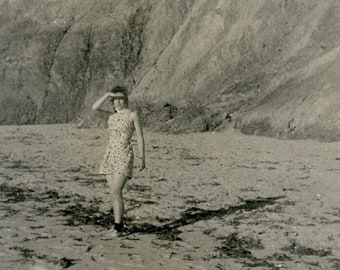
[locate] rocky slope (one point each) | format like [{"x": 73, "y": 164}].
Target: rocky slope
[{"x": 265, "y": 67}]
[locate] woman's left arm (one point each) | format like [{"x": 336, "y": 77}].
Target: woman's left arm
[{"x": 140, "y": 141}]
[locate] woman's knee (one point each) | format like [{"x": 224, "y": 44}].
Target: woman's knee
[{"x": 116, "y": 184}]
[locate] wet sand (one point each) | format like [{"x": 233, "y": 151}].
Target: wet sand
[{"x": 205, "y": 201}]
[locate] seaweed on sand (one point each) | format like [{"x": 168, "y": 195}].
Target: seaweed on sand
[
  {"x": 10, "y": 194},
  {"x": 234, "y": 246},
  {"x": 300, "y": 250},
  {"x": 79, "y": 214},
  {"x": 90, "y": 215}
]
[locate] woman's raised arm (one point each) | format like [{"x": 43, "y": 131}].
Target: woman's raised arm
[{"x": 100, "y": 101}]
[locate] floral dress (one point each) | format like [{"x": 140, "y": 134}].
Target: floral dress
[{"x": 118, "y": 156}]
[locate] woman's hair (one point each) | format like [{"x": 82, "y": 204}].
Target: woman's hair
[
  {"x": 123, "y": 90},
  {"x": 119, "y": 89}
]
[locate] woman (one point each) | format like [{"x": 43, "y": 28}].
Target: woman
[{"x": 118, "y": 160}]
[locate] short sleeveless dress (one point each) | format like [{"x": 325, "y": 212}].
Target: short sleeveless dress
[{"x": 118, "y": 156}]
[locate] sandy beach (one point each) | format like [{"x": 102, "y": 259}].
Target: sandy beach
[{"x": 206, "y": 201}]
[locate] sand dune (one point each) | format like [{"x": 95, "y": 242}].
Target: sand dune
[{"x": 205, "y": 201}]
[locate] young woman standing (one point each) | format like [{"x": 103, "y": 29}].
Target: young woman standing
[{"x": 118, "y": 160}]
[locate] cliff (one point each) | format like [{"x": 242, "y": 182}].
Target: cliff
[{"x": 264, "y": 67}]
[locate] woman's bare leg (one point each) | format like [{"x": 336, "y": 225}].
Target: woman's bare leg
[{"x": 116, "y": 183}]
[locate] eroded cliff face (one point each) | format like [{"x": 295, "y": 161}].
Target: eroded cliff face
[
  {"x": 265, "y": 67},
  {"x": 60, "y": 55}
]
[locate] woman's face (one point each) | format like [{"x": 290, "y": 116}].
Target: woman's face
[{"x": 119, "y": 103}]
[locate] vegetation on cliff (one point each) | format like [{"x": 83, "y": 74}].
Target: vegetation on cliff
[{"x": 264, "y": 67}]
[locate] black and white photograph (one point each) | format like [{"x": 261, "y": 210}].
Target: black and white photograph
[{"x": 170, "y": 134}]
